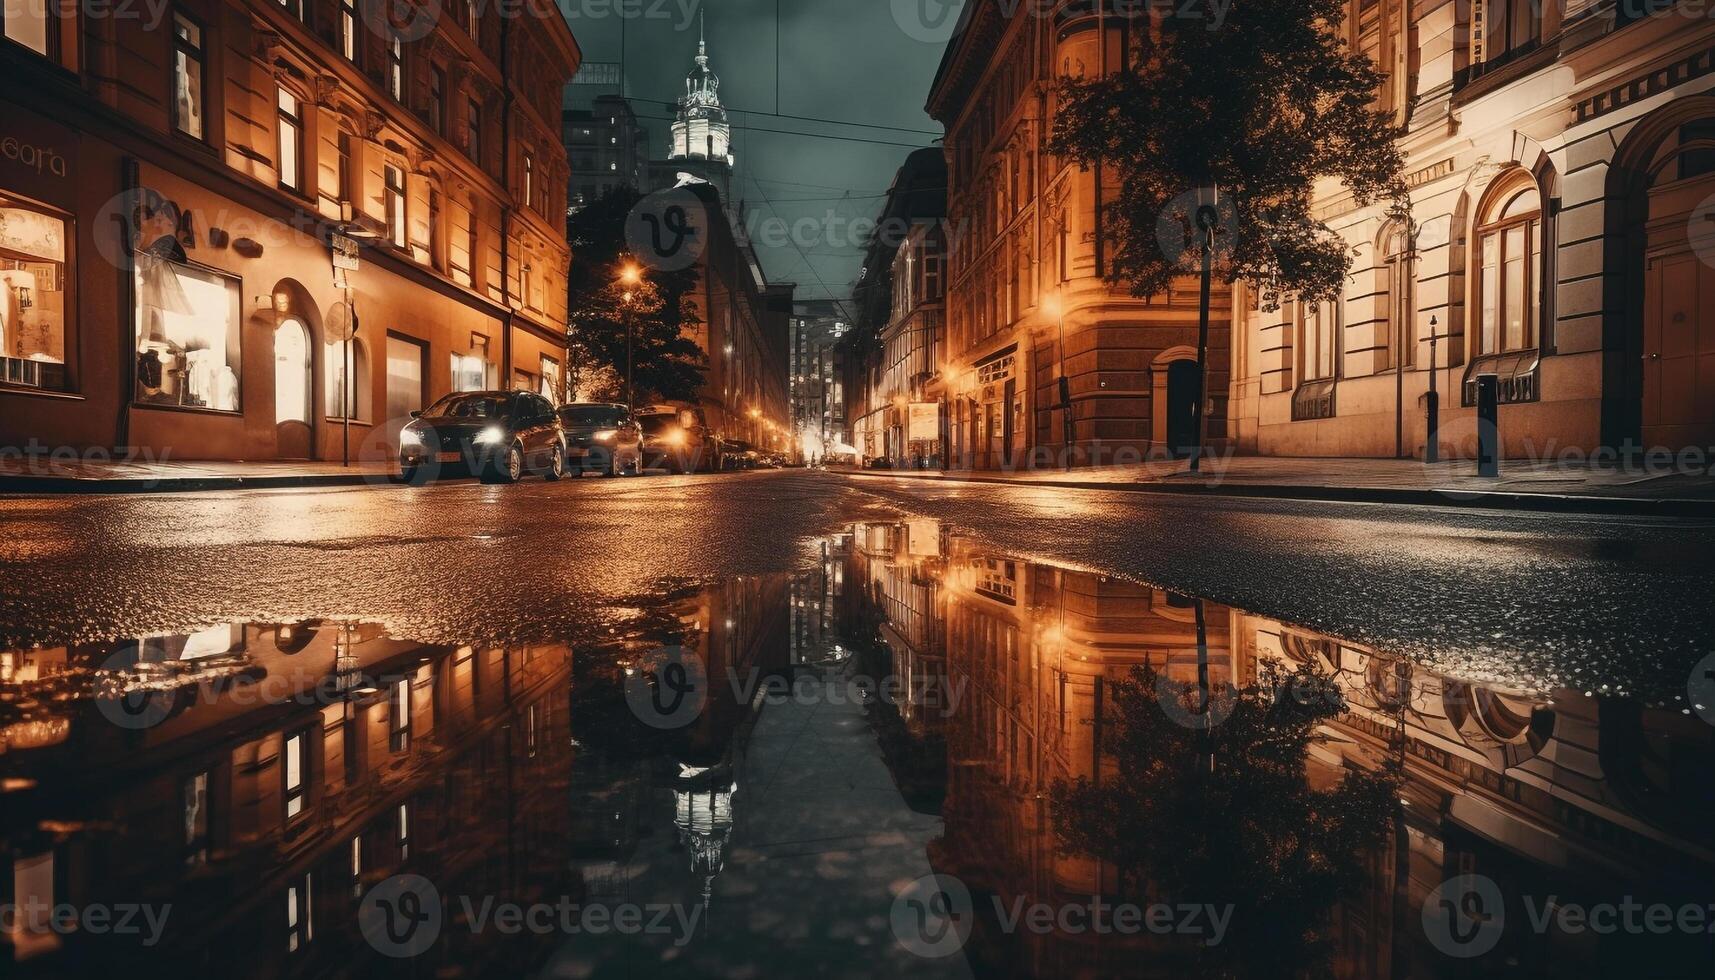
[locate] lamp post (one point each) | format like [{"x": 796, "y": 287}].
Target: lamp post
[
  {"x": 630, "y": 276},
  {"x": 1055, "y": 306},
  {"x": 1432, "y": 405},
  {"x": 1207, "y": 218}
]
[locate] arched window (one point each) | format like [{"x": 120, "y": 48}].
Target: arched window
[
  {"x": 1395, "y": 299},
  {"x": 1508, "y": 260}
]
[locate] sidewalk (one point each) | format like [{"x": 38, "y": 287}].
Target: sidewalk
[
  {"x": 85, "y": 476},
  {"x": 1523, "y": 485}
]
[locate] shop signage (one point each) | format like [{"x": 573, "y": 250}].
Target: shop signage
[
  {"x": 925, "y": 421},
  {"x": 41, "y": 159},
  {"x": 344, "y": 251}
]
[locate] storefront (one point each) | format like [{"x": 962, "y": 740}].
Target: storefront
[{"x": 167, "y": 316}]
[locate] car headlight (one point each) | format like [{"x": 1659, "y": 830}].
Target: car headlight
[
  {"x": 494, "y": 435},
  {"x": 676, "y": 437},
  {"x": 410, "y": 439},
  {"x": 605, "y": 435}
]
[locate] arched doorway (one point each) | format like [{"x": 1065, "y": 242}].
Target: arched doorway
[
  {"x": 1184, "y": 388},
  {"x": 1659, "y": 391},
  {"x": 293, "y": 388}
]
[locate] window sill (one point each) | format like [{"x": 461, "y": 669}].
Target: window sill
[
  {"x": 1516, "y": 67},
  {"x": 338, "y": 420},
  {"x": 190, "y": 409},
  {"x": 53, "y": 393}
]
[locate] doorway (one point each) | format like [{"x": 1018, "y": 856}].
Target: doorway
[
  {"x": 1184, "y": 388},
  {"x": 292, "y": 390}
]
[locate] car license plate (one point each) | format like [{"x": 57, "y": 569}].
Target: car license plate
[{"x": 447, "y": 458}]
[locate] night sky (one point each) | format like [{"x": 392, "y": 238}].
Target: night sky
[{"x": 846, "y": 60}]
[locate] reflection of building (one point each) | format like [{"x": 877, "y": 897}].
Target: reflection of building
[
  {"x": 1589, "y": 799},
  {"x": 896, "y": 350},
  {"x": 1026, "y": 260},
  {"x": 178, "y": 179},
  {"x": 606, "y": 148},
  {"x": 287, "y": 770}
]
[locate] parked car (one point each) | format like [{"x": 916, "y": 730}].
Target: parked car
[
  {"x": 678, "y": 439},
  {"x": 602, "y": 437},
  {"x": 496, "y": 435},
  {"x": 737, "y": 454}
]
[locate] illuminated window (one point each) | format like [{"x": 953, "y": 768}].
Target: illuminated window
[
  {"x": 402, "y": 830},
  {"x": 550, "y": 379},
  {"x": 394, "y": 179},
  {"x": 470, "y": 371},
  {"x": 189, "y": 61},
  {"x": 290, "y": 140},
  {"x": 196, "y": 819},
  {"x": 294, "y": 773},
  {"x": 1509, "y": 261},
  {"x": 529, "y": 180},
  {"x": 300, "y": 919},
  {"x": 31, "y": 23},
  {"x": 33, "y": 302},
  {"x": 395, "y": 67},
  {"x": 1395, "y": 287},
  {"x": 357, "y": 866},
  {"x": 188, "y": 335},
  {"x": 349, "y": 43},
  {"x": 399, "y": 702}
]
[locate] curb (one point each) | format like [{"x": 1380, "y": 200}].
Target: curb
[
  {"x": 1546, "y": 503},
  {"x": 187, "y": 484}
]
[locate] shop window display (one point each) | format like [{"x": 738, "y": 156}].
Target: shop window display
[
  {"x": 188, "y": 326},
  {"x": 33, "y": 280}
]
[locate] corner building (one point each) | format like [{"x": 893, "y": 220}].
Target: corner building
[
  {"x": 170, "y": 191},
  {"x": 1561, "y": 162},
  {"x": 1025, "y": 258}
]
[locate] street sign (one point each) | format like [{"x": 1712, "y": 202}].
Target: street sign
[{"x": 344, "y": 251}]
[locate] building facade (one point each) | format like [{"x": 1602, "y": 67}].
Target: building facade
[
  {"x": 746, "y": 322},
  {"x": 901, "y": 396},
  {"x": 817, "y": 394},
  {"x": 1028, "y": 301},
  {"x": 172, "y": 190},
  {"x": 606, "y": 147},
  {"x": 1559, "y": 163}
]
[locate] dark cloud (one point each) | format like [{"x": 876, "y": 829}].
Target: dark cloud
[{"x": 838, "y": 59}]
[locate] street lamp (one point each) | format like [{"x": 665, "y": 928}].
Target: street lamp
[{"x": 630, "y": 276}]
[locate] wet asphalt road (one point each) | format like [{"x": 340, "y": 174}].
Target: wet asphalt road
[{"x": 1532, "y": 600}]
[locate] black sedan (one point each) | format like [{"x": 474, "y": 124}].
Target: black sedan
[
  {"x": 496, "y": 435},
  {"x": 602, "y": 437}
]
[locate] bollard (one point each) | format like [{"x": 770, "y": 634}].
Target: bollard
[{"x": 1488, "y": 428}]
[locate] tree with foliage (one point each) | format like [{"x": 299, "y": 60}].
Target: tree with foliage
[
  {"x": 667, "y": 364},
  {"x": 1222, "y": 812},
  {"x": 1257, "y": 98}
]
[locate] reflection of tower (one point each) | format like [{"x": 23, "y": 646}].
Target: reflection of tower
[
  {"x": 702, "y": 810},
  {"x": 702, "y": 137}
]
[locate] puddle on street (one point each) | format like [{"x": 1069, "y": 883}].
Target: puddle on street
[{"x": 911, "y": 756}]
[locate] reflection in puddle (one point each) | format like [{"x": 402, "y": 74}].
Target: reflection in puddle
[{"x": 755, "y": 776}]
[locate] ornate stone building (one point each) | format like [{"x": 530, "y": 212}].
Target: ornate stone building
[
  {"x": 172, "y": 188},
  {"x": 1560, "y": 159}
]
